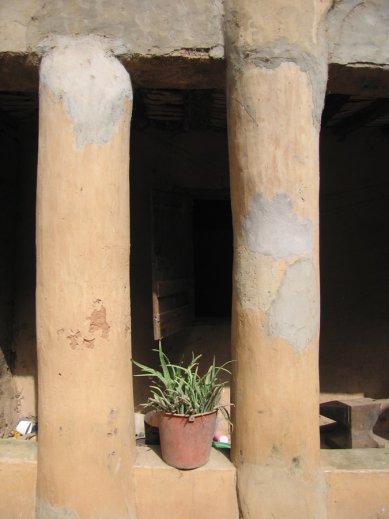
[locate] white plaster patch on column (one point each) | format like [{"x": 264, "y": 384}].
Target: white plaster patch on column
[
  {"x": 45, "y": 510},
  {"x": 92, "y": 84},
  {"x": 294, "y": 314},
  {"x": 272, "y": 228}
]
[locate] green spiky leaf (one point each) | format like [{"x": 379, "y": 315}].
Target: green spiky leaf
[{"x": 181, "y": 389}]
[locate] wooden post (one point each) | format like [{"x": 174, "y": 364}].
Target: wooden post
[
  {"x": 276, "y": 82},
  {"x": 86, "y": 431}
]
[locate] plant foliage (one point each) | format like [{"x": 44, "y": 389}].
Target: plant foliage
[{"x": 182, "y": 390}]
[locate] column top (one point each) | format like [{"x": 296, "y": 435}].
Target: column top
[{"x": 90, "y": 81}]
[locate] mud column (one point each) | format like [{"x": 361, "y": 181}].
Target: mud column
[
  {"x": 86, "y": 432},
  {"x": 276, "y": 82}
]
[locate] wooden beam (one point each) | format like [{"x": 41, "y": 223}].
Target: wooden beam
[
  {"x": 362, "y": 117},
  {"x": 358, "y": 80}
]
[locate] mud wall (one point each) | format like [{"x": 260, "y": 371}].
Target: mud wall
[
  {"x": 354, "y": 347},
  {"x": 136, "y": 26},
  {"x": 357, "y": 31}
]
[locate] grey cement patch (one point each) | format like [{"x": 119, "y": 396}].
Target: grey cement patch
[
  {"x": 273, "y": 54},
  {"x": 92, "y": 84},
  {"x": 358, "y": 31},
  {"x": 217, "y": 52},
  {"x": 145, "y": 28},
  {"x": 273, "y": 229},
  {"x": 314, "y": 65},
  {"x": 45, "y": 510},
  {"x": 294, "y": 314}
]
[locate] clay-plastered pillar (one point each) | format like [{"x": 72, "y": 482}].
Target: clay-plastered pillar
[
  {"x": 276, "y": 83},
  {"x": 86, "y": 433}
]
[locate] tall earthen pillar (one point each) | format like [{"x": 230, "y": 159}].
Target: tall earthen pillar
[
  {"x": 86, "y": 432},
  {"x": 276, "y": 84}
]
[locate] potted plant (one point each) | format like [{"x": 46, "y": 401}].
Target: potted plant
[{"x": 187, "y": 403}]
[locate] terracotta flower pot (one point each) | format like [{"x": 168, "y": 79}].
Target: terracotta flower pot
[{"x": 186, "y": 440}]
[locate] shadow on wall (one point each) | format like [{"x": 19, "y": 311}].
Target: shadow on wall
[
  {"x": 18, "y": 362},
  {"x": 8, "y": 195},
  {"x": 192, "y": 162},
  {"x": 354, "y": 257}
]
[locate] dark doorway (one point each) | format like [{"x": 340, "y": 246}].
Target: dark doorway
[
  {"x": 212, "y": 244},
  {"x": 354, "y": 247}
]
